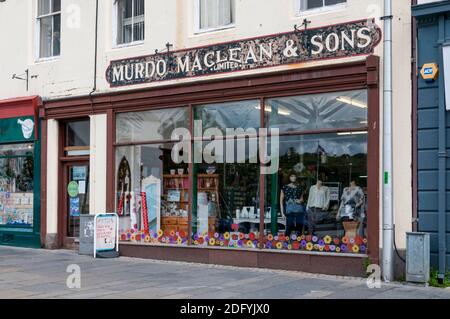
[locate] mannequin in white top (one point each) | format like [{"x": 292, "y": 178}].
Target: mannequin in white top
[{"x": 318, "y": 203}]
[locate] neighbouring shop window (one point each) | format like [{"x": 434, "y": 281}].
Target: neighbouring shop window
[
  {"x": 49, "y": 27},
  {"x": 16, "y": 184},
  {"x": 317, "y": 201},
  {"x": 317, "y": 4},
  {"x": 77, "y": 138},
  {"x": 130, "y": 21},
  {"x": 214, "y": 14},
  {"x": 152, "y": 191}
]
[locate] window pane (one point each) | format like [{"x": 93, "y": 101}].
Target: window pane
[
  {"x": 215, "y": 13},
  {"x": 239, "y": 114},
  {"x": 15, "y": 149},
  {"x": 128, "y": 8},
  {"x": 56, "y": 6},
  {"x": 318, "y": 111},
  {"x": 150, "y": 125},
  {"x": 56, "y": 34},
  {"x": 227, "y": 193},
  {"x": 43, "y": 7},
  {"x": 311, "y": 4},
  {"x": 318, "y": 199},
  {"x": 16, "y": 185},
  {"x": 139, "y": 8},
  {"x": 146, "y": 174},
  {"x": 45, "y": 41},
  {"x": 138, "y": 31},
  {"x": 332, "y": 2},
  {"x": 78, "y": 138}
]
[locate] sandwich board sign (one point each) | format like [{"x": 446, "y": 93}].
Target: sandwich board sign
[{"x": 106, "y": 235}]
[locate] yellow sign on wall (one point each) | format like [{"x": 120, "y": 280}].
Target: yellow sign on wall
[{"x": 430, "y": 71}]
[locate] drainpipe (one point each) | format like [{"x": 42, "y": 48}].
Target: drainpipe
[
  {"x": 95, "y": 57},
  {"x": 442, "y": 156},
  {"x": 388, "y": 216}
]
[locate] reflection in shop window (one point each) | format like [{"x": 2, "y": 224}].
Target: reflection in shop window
[
  {"x": 16, "y": 184},
  {"x": 318, "y": 197}
]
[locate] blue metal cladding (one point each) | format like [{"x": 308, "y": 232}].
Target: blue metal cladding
[{"x": 430, "y": 95}]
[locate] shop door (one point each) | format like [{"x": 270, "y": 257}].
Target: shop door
[{"x": 76, "y": 199}]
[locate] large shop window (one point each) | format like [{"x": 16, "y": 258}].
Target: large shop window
[
  {"x": 315, "y": 200},
  {"x": 130, "y": 21},
  {"x": 49, "y": 27},
  {"x": 16, "y": 184}
]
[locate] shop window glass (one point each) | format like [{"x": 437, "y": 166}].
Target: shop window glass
[
  {"x": 239, "y": 114},
  {"x": 227, "y": 196},
  {"x": 16, "y": 184},
  {"x": 318, "y": 199},
  {"x": 154, "y": 125},
  {"x": 77, "y": 138},
  {"x": 152, "y": 195},
  {"x": 318, "y": 111}
]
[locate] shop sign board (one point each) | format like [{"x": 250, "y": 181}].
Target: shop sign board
[
  {"x": 18, "y": 129},
  {"x": 106, "y": 233},
  {"x": 299, "y": 46}
]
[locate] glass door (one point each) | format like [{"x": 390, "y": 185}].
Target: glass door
[{"x": 77, "y": 202}]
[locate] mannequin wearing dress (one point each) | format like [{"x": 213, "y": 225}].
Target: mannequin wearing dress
[
  {"x": 352, "y": 199},
  {"x": 291, "y": 193},
  {"x": 318, "y": 202}
]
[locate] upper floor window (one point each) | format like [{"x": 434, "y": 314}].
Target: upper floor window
[
  {"x": 49, "y": 27},
  {"x": 214, "y": 14},
  {"x": 130, "y": 21},
  {"x": 318, "y": 4}
]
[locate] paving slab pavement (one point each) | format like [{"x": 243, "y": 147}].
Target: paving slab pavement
[{"x": 42, "y": 274}]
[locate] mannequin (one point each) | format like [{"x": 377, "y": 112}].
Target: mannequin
[
  {"x": 291, "y": 200},
  {"x": 318, "y": 202},
  {"x": 352, "y": 202}
]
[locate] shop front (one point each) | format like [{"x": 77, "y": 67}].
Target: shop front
[
  {"x": 19, "y": 173},
  {"x": 277, "y": 169}
]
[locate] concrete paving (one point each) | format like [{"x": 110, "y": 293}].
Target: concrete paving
[{"x": 38, "y": 273}]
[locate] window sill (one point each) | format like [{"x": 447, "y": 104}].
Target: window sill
[
  {"x": 221, "y": 28},
  {"x": 49, "y": 59},
  {"x": 318, "y": 11},
  {"x": 128, "y": 45}
]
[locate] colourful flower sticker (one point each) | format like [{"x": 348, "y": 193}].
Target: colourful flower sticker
[
  {"x": 294, "y": 237},
  {"x": 235, "y": 227},
  {"x": 303, "y": 243},
  {"x": 249, "y": 244},
  {"x": 362, "y": 248},
  {"x": 279, "y": 245},
  {"x": 147, "y": 238},
  {"x": 212, "y": 241},
  {"x": 296, "y": 245},
  {"x": 314, "y": 239},
  {"x": 270, "y": 237},
  {"x": 336, "y": 241},
  {"x": 355, "y": 248},
  {"x": 252, "y": 236},
  {"x": 309, "y": 246},
  {"x": 327, "y": 239},
  {"x": 226, "y": 235},
  {"x": 332, "y": 247},
  {"x": 321, "y": 243},
  {"x": 345, "y": 240},
  {"x": 160, "y": 233},
  {"x": 338, "y": 250}
]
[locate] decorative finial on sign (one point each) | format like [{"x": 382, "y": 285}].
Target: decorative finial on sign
[{"x": 305, "y": 23}]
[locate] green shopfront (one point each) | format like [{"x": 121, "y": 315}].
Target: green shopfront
[{"x": 19, "y": 173}]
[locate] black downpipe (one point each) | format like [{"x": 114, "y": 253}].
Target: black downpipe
[{"x": 95, "y": 57}]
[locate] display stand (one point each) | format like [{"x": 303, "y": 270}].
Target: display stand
[{"x": 106, "y": 235}]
